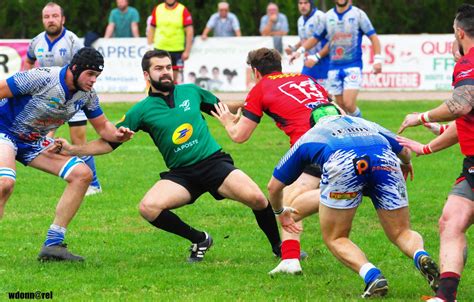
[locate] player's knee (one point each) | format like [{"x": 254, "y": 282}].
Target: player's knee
[
  {"x": 6, "y": 186},
  {"x": 261, "y": 201},
  {"x": 76, "y": 170},
  {"x": 449, "y": 225},
  {"x": 81, "y": 173},
  {"x": 148, "y": 209}
]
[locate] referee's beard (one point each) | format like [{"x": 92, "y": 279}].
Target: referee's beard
[{"x": 162, "y": 86}]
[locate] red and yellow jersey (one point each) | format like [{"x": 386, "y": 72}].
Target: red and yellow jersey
[
  {"x": 464, "y": 75},
  {"x": 288, "y": 98},
  {"x": 170, "y": 24}
]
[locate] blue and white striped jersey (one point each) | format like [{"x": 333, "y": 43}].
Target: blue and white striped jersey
[
  {"x": 331, "y": 135},
  {"x": 307, "y": 27},
  {"x": 42, "y": 102},
  {"x": 344, "y": 33},
  {"x": 56, "y": 53}
]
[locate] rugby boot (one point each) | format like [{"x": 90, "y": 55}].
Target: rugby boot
[{"x": 57, "y": 253}]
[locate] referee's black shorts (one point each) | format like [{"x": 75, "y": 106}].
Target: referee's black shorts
[{"x": 204, "y": 176}]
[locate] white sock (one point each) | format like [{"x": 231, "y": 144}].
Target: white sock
[{"x": 365, "y": 269}]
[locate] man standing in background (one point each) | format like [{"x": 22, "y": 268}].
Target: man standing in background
[
  {"x": 55, "y": 47},
  {"x": 123, "y": 21},
  {"x": 172, "y": 30},
  {"x": 224, "y": 23},
  {"x": 312, "y": 20},
  {"x": 274, "y": 24}
]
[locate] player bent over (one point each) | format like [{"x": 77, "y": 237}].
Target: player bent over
[
  {"x": 34, "y": 102},
  {"x": 171, "y": 115},
  {"x": 357, "y": 157}
]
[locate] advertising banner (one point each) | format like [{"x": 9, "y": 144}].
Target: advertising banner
[{"x": 411, "y": 62}]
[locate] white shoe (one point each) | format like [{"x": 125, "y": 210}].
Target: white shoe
[
  {"x": 92, "y": 190},
  {"x": 288, "y": 266}
]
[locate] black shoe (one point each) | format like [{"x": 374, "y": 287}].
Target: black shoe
[
  {"x": 376, "y": 288},
  {"x": 57, "y": 253},
  {"x": 429, "y": 269},
  {"x": 198, "y": 250}
]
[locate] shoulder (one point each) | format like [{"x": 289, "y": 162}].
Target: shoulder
[
  {"x": 133, "y": 9},
  {"x": 281, "y": 15},
  {"x": 37, "y": 38},
  {"x": 264, "y": 18},
  {"x": 71, "y": 35},
  {"x": 232, "y": 16}
]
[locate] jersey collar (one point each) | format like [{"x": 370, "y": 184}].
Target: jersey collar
[
  {"x": 51, "y": 44},
  {"x": 341, "y": 15},
  {"x": 169, "y": 99},
  {"x": 306, "y": 18}
]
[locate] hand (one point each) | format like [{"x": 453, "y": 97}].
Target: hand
[
  {"x": 224, "y": 115},
  {"x": 407, "y": 169},
  {"x": 411, "y": 144},
  {"x": 288, "y": 50},
  {"x": 295, "y": 55},
  {"x": 273, "y": 18},
  {"x": 377, "y": 68},
  {"x": 310, "y": 61},
  {"x": 287, "y": 222},
  {"x": 123, "y": 134},
  {"x": 61, "y": 146},
  {"x": 204, "y": 37},
  {"x": 185, "y": 55},
  {"x": 411, "y": 120}
]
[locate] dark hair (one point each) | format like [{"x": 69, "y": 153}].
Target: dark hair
[
  {"x": 229, "y": 72},
  {"x": 465, "y": 19},
  {"x": 215, "y": 68},
  {"x": 265, "y": 60},
  {"x": 55, "y": 4},
  {"x": 153, "y": 54}
]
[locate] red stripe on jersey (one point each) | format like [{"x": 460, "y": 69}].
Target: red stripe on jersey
[{"x": 288, "y": 98}]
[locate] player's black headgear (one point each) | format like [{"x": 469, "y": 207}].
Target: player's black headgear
[
  {"x": 321, "y": 110},
  {"x": 86, "y": 58}
]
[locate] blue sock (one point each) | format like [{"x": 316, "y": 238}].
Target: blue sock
[
  {"x": 417, "y": 256},
  {"x": 356, "y": 113},
  {"x": 55, "y": 235},
  {"x": 89, "y": 160},
  {"x": 369, "y": 272}
]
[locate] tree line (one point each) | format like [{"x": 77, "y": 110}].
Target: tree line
[{"x": 22, "y": 18}]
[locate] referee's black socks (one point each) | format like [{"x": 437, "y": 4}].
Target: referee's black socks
[
  {"x": 170, "y": 222},
  {"x": 267, "y": 222}
]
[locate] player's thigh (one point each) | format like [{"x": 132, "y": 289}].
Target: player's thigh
[
  {"x": 166, "y": 194},
  {"x": 240, "y": 187},
  {"x": 306, "y": 204},
  {"x": 394, "y": 221},
  {"x": 458, "y": 213},
  {"x": 78, "y": 134},
  {"x": 304, "y": 183},
  {"x": 61, "y": 165},
  {"x": 335, "y": 223},
  {"x": 7, "y": 153}
]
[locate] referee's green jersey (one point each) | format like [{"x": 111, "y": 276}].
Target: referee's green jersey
[{"x": 175, "y": 123}]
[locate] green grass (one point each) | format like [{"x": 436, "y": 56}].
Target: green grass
[{"x": 127, "y": 259}]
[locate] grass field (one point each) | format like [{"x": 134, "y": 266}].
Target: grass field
[{"x": 128, "y": 260}]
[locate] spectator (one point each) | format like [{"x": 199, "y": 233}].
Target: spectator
[
  {"x": 123, "y": 21},
  {"x": 274, "y": 24},
  {"x": 172, "y": 30},
  {"x": 224, "y": 23}
]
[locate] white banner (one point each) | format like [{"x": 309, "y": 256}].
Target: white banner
[
  {"x": 219, "y": 64},
  {"x": 412, "y": 62}
]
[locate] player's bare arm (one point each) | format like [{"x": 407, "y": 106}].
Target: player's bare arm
[
  {"x": 314, "y": 59},
  {"x": 443, "y": 141},
  {"x": 460, "y": 103},
  {"x": 275, "y": 191},
  {"x": 96, "y": 147},
  {"x": 239, "y": 128},
  {"x": 308, "y": 44},
  {"x": 28, "y": 64},
  {"x": 377, "y": 67},
  {"x": 109, "y": 132},
  {"x": 406, "y": 166},
  {"x": 189, "y": 30},
  {"x": 5, "y": 91}
]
